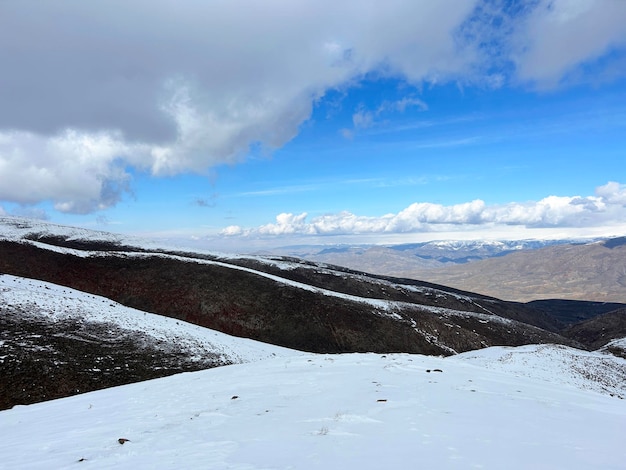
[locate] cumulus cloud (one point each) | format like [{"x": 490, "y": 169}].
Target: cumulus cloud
[
  {"x": 607, "y": 207},
  {"x": 180, "y": 87},
  {"x": 80, "y": 173},
  {"x": 612, "y": 193}
]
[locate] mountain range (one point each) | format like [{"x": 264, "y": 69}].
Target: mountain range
[{"x": 522, "y": 271}]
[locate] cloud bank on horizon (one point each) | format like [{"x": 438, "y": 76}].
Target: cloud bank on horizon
[
  {"x": 95, "y": 92},
  {"x": 607, "y": 207}
]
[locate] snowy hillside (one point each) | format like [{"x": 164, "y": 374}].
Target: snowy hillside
[
  {"x": 15, "y": 228},
  {"x": 616, "y": 347},
  {"x": 56, "y": 341},
  {"x": 600, "y": 372},
  {"x": 353, "y": 411},
  {"x": 35, "y": 298}
]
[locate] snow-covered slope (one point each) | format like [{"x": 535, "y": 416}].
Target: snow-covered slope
[
  {"x": 620, "y": 343},
  {"x": 15, "y": 228},
  {"x": 616, "y": 347},
  {"x": 56, "y": 303},
  {"x": 355, "y": 411},
  {"x": 600, "y": 372},
  {"x": 56, "y": 341}
]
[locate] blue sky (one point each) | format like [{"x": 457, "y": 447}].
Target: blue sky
[{"x": 310, "y": 122}]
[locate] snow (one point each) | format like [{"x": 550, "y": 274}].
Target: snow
[
  {"x": 59, "y": 302},
  {"x": 15, "y": 228},
  {"x": 597, "y": 371},
  {"x": 352, "y": 411},
  {"x": 617, "y": 343}
]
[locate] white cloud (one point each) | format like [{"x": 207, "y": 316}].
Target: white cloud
[
  {"x": 608, "y": 208},
  {"x": 612, "y": 193},
  {"x": 560, "y": 35},
  {"x": 91, "y": 88},
  {"x": 79, "y": 172},
  {"x": 232, "y": 230},
  {"x": 286, "y": 224},
  {"x": 402, "y": 104},
  {"x": 187, "y": 86},
  {"x": 364, "y": 119}
]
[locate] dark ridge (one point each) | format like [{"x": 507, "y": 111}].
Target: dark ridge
[
  {"x": 615, "y": 242},
  {"x": 334, "y": 250},
  {"x": 83, "y": 245},
  {"x": 408, "y": 246},
  {"x": 598, "y": 331},
  {"x": 446, "y": 259},
  {"x": 571, "y": 312},
  {"x": 365, "y": 285},
  {"x": 503, "y": 253}
]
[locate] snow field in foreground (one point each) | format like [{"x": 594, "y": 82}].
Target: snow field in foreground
[{"x": 353, "y": 411}]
